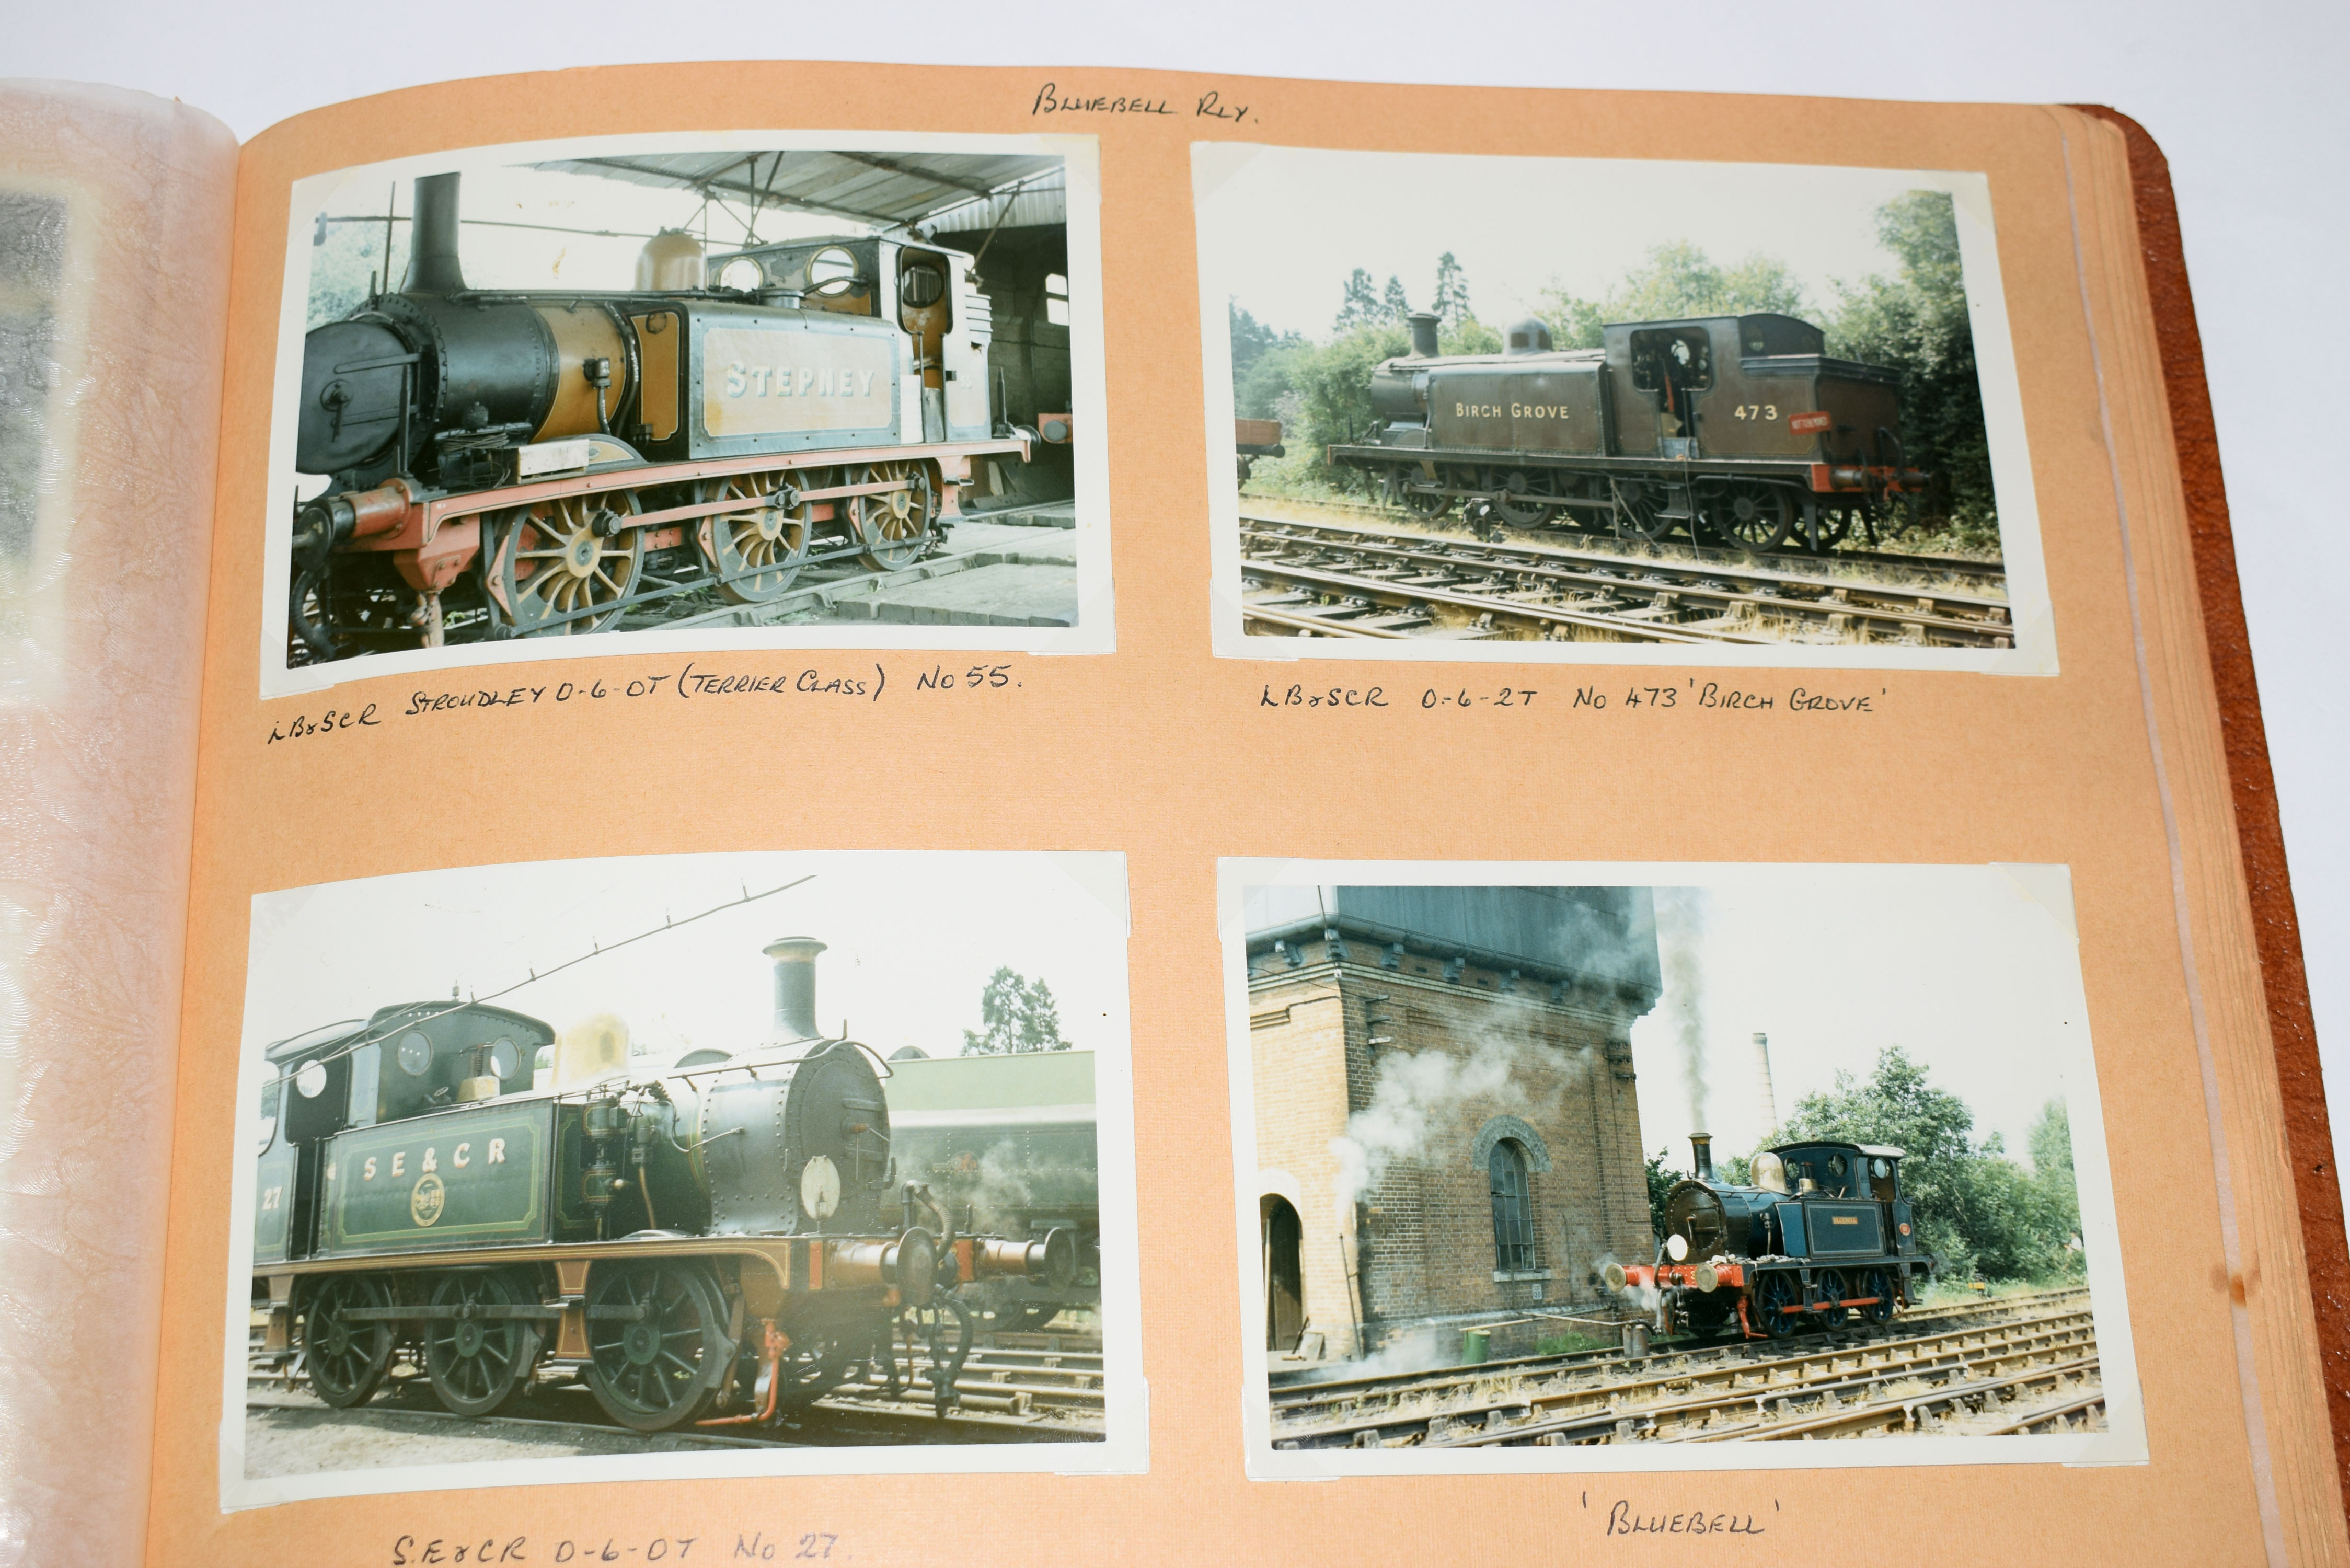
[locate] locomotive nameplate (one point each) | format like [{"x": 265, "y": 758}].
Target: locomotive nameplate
[
  {"x": 468, "y": 1176},
  {"x": 1843, "y": 1230},
  {"x": 771, "y": 381}
]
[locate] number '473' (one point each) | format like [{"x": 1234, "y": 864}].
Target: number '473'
[{"x": 1764, "y": 411}]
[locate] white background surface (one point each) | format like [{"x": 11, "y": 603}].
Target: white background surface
[{"x": 2247, "y": 100}]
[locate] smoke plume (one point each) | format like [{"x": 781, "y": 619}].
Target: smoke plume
[{"x": 1681, "y": 942}]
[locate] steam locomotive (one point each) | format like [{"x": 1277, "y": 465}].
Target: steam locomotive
[
  {"x": 528, "y": 464},
  {"x": 1732, "y": 430},
  {"x": 1007, "y": 1142},
  {"x": 731, "y": 1233},
  {"x": 1821, "y": 1234}
]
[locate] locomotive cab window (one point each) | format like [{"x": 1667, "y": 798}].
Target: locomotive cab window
[
  {"x": 366, "y": 1077},
  {"x": 743, "y": 275},
  {"x": 1056, "y": 299},
  {"x": 1675, "y": 357},
  {"x": 921, "y": 286},
  {"x": 832, "y": 271}
]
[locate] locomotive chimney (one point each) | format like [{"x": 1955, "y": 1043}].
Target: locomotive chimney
[
  {"x": 1423, "y": 332},
  {"x": 433, "y": 238},
  {"x": 795, "y": 985},
  {"x": 1762, "y": 1077},
  {"x": 1702, "y": 1156}
]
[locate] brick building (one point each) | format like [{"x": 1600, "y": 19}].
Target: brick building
[{"x": 1448, "y": 1128}]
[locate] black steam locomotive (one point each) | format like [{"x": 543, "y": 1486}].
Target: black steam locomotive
[
  {"x": 525, "y": 465},
  {"x": 731, "y": 1233},
  {"x": 1824, "y": 1233},
  {"x": 1732, "y": 430}
]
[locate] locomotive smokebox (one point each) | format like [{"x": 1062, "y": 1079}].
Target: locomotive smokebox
[
  {"x": 1423, "y": 332},
  {"x": 795, "y": 985},
  {"x": 1702, "y": 1156},
  {"x": 433, "y": 238}
]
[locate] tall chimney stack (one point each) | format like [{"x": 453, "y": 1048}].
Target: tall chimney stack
[
  {"x": 1702, "y": 1156},
  {"x": 795, "y": 986},
  {"x": 433, "y": 238},
  {"x": 1763, "y": 1080},
  {"x": 1423, "y": 325}
]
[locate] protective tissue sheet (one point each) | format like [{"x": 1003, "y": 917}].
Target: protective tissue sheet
[{"x": 115, "y": 210}]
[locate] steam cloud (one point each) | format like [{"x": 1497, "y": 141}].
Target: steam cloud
[
  {"x": 1427, "y": 1095},
  {"x": 1680, "y": 940}
]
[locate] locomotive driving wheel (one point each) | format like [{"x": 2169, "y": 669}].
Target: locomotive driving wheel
[
  {"x": 1640, "y": 509},
  {"x": 346, "y": 1360},
  {"x": 1877, "y": 1282},
  {"x": 757, "y": 552},
  {"x": 656, "y": 1342},
  {"x": 1776, "y": 1298},
  {"x": 564, "y": 566},
  {"x": 1826, "y": 1300},
  {"x": 478, "y": 1363},
  {"x": 894, "y": 527},
  {"x": 1751, "y": 515},
  {"x": 1511, "y": 502}
]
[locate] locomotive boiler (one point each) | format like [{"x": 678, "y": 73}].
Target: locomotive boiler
[
  {"x": 1007, "y": 1143},
  {"x": 734, "y": 1233},
  {"x": 1731, "y": 429},
  {"x": 505, "y": 464},
  {"x": 1824, "y": 1232}
]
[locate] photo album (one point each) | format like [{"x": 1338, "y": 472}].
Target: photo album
[{"x": 675, "y": 730}]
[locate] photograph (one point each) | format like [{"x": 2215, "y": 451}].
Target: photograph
[
  {"x": 752, "y": 391},
  {"x": 1665, "y": 412},
  {"x": 577, "y": 1171},
  {"x": 1620, "y": 1167}
]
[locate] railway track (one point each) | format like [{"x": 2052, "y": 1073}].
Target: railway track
[
  {"x": 1045, "y": 1384},
  {"x": 1300, "y": 1389},
  {"x": 1371, "y": 581},
  {"x": 1880, "y": 1381},
  {"x": 1982, "y": 570}
]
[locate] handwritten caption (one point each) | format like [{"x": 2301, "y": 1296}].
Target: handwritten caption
[
  {"x": 1693, "y": 694},
  {"x": 692, "y": 683},
  {"x": 1207, "y": 106},
  {"x": 1625, "y": 1518},
  {"x": 757, "y": 1546}
]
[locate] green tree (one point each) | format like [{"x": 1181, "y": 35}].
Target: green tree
[
  {"x": 1917, "y": 324},
  {"x": 1976, "y": 1208},
  {"x": 1016, "y": 1016},
  {"x": 1250, "y": 338},
  {"x": 1678, "y": 279},
  {"x": 1359, "y": 304},
  {"x": 1451, "y": 301},
  {"x": 1661, "y": 1177},
  {"x": 1394, "y": 304}
]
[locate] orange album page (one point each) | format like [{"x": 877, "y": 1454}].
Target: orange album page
[{"x": 832, "y": 918}]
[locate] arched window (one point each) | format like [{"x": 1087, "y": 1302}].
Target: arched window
[{"x": 1513, "y": 1229}]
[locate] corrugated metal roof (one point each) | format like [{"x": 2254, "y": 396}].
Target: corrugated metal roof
[
  {"x": 1042, "y": 199},
  {"x": 881, "y": 188}
]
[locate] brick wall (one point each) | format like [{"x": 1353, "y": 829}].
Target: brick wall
[{"x": 1555, "y": 1057}]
